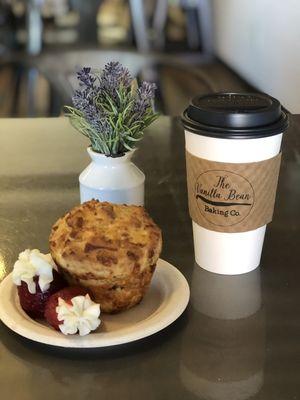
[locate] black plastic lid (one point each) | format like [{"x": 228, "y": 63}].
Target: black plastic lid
[{"x": 235, "y": 115}]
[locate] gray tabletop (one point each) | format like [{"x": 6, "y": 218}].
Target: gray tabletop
[{"x": 238, "y": 338}]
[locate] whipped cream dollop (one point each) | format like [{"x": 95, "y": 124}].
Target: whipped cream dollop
[
  {"x": 33, "y": 263},
  {"x": 82, "y": 315}
]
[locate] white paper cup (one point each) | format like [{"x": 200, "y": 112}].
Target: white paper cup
[
  {"x": 240, "y": 252},
  {"x": 230, "y": 253}
]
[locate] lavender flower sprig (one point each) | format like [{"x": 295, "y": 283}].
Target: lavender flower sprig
[{"x": 110, "y": 111}]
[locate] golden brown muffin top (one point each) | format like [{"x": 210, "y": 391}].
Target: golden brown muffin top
[{"x": 98, "y": 237}]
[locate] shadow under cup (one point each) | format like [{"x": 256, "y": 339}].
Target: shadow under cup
[{"x": 226, "y": 133}]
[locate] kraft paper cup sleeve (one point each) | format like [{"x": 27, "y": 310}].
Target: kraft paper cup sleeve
[{"x": 231, "y": 197}]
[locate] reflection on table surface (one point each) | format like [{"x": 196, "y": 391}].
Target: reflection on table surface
[{"x": 225, "y": 357}]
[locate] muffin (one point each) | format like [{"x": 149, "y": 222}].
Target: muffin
[{"x": 110, "y": 249}]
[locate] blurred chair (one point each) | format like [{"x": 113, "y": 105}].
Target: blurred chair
[{"x": 198, "y": 15}]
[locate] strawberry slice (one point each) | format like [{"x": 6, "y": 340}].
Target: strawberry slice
[
  {"x": 66, "y": 294},
  {"x": 34, "y": 304}
]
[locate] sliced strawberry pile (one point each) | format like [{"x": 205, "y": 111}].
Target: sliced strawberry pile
[
  {"x": 66, "y": 294},
  {"x": 34, "y": 304}
]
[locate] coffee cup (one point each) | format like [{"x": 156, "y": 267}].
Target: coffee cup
[{"x": 233, "y": 156}]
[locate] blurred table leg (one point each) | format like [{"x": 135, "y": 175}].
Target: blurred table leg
[
  {"x": 32, "y": 78},
  {"x": 87, "y": 28},
  {"x": 205, "y": 24},
  {"x": 34, "y": 27},
  {"x": 159, "y": 22},
  {"x": 199, "y": 24},
  {"x": 140, "y": 26}
]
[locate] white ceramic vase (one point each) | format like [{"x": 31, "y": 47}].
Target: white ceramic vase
[{"x": 113, "y": 179}]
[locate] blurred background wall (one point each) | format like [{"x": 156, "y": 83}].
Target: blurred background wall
[{"x": 260, "y": 39}]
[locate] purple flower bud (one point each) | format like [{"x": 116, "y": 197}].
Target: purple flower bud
[
  {"x": 113, "y": 76},
  {"x": 146, "y": 91},
  {"x": 145, "y": 95},
  {"x": 85, "y": 77}
]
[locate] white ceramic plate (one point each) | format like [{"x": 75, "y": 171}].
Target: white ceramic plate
[{"x": 164, "y": 302}]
